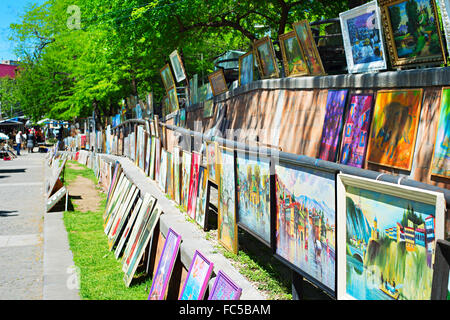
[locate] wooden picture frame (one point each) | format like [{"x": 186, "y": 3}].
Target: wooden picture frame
[
  {"x": 441, "y": 278},
  {"x": 267, "y": 63},
  {"x": 193, "y": 288},
  {"x": 403, "y": 58},
  {"x": 211, "y": 160},
  {"x": 289, "y": 44},
  {"x": 218, "y": 82},
  {"x": 173, "y": 100},
  {"x": 246, "y": 68},
  {"x": 224, "y": 288},
  {"x": 386, "y": 209},
  {"x": 177, "y": 66},
  {"x": 167, "y": 77}
]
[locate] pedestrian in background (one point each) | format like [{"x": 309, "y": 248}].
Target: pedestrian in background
[{"x": 18, "y": 142}]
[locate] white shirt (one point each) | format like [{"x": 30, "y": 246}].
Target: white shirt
[{"x": 18, "y": 138}]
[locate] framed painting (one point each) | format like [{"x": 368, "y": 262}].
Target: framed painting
[
  {"x": 197, "y": 278},
  {"x": 218, "y": 82},
  {"x": 362, "y": 34},
  {"x": 441, "y": 155},
  {"x": 356, "y": 130},
  {"x": 293, "y": 60},
  {"x": 309, "y": 48},
  {"x": 186, "y": 159},
  {"x": 224, "y": 288},
  {"x": 163, "y": 170},
  {"x": 193, "y": 88},
  {"x": 126, "y": 231},
  {"x": 332, "y": 127},
  {"x": 246, "y": 68},
  {"x": 441, "y": 275},
  {"x": 157, "y": 159},
  {"x": 176, "y": 174},
  {"x": 177, "y": 66},
  {"x": 201, "y": 208},
  {"x": 151, "y": 173},
  {"x": 173, "y": 100},
  {"x": 167, "y": 77},
  {"x": 120, "y": 208},
  {"x": 305, "y": 222},
  {"x": 211, "y": 155},
  {"x": 253, "y": 194},
  {"x": 394, "y": 128},
  {"x": 445, "y": 14},
  {"x": 226, "y": 221},
  {"x": 148, "y": 148},
  {"x": 208, "y": 108},
  {"x": 412, "y": 32},
  {"x": 114, "y": 197},
  {"x": 386, "y": 239},
  {"x": 193, "y": 184},
  {"x": 169, "y": 180},
  {"x": 265, "y": 58},
  {"x": 165, "y": 266}
]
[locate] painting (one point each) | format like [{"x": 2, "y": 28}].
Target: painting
[
  {"x": 126, "y": 231},
  {"x": 218, "y": 82},
  {"x": 208, "y": 108},
  {"x": 193, "y": 184},
  {"x": 151, "y": 173},
  {"x": 332, "y": 127},
  {"x": 226, "y": 221},
  {"x": 356, "y": 130},
  {"x": 197, "y": 278},
  {"x": 193, "y": 88},
  {"x": 394, "y": 128},
  {"x": 163, "y": 170},
  {"x": 305, "y": 225},
  {"x": 176, "y": 174},
  {"x": 165, "y": 266},
  {"x": 202, "y": 197},
  {"x": 413, "y": 35},
  {"x": 246, "y": 68},
  {"x": 186, "y": 158},
  {"x": 441, "y": 271},
  {"x": 167, "y": 77},
  {"x": 169, "y": 180},
  {"x": 445, "y": 14},
  {"x": 386, "y": 239},
  {"x": 211, "y": 153},
  {"x": 157, "y": 159},
  {"x": 293, "y": 59},
  {"x": 441, "y": 156},
  {"x": 265, "y": 58},
  {"x": 309, "y": 48},
  {"x": 362, "y": 35},
  {"x": 177, "y": 66},
  {"x": 148, "y": 148},
  {"x": 224, "y": 288},
  {"x": 173, "y": 100},
  {"x": 253, "y": 194}
]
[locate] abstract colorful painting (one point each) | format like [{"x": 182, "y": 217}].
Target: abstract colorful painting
[
  {"x": 394, "y": 128},
  {"x": 193, "y": 184},
  {"x": 332, "y": 126},
  {"x": 226, "y": 221},
  {"x": 441, "y": 156},
  {"x": 176, "y": 174},
  {"x": 293, "y": 59},
  {"x": 387, "y": 239},
  {"x": 185, "y": 178},
  {"x": 224, "y": 288},
  {"x": 165, "y": 266},
  {"x": 356, "y": 130},
  {"x": 211, "y": 154},
  {"x": 306, "y": 221},
  {"x": 202, "y": 197},
  {"x": 309, "y": 47},
  {"x": 253, "y": 185},
  {"x": 197, "y": 278},
  {"x": 363, "y": 38},
  {"x": 246, "y": 68}
]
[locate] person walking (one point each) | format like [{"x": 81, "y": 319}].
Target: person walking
[
  {"x": 30, "y": 142},
  {"x": 18, "y": 142}
]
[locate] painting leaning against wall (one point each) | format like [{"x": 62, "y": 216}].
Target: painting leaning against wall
[{"x": 441, "y": 156}]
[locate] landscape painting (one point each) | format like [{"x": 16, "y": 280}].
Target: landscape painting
[
  {"x": 246, "y": 68},
  {"x": 265, "y": 58},
  {"x": 390, "y": 240},
  {"x": 253, "y": 183},
  {"x": 332, "y": 127},
  {"x": 193, "y": 184},
  {"x": 394, "y": 128},
  {"x": 356, "y": 130},
  {"x": 306, "y": 221},
  {"x": 167, "y": 77},
  {"x": 309, "y": 47},
  {"x": 441, "y": 156},
  {"x": 293, "y": 59}
]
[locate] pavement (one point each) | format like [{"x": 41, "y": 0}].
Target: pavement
[{"x": 35, "y": 257}]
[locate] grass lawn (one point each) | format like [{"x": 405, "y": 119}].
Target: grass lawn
[{"x": 101, "y": 275}]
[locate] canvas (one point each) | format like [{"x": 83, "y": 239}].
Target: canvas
[
  {"x": 445, "y": 13},
  {"x": 265, "y": 58},
  {"x": 185, "y": 178},
  {"x": 386, "y": 239},
  {"x": 167, "y": 259},
  {"x": 441, "y": 155},
  {"x": 157, "y": 158},
  {"x": 309, "y": 47},
  {"x": 148, "y": 149},
  {"x": 126, "y": 231},
  {"x": 356, "y": 130},
  {"x": 332, "y": 127},
  {"x": 224, "y": 288},
  {"x": 394, "y": 128},
  {"x": 306, "y": 222},
  {"x": 246, "y": 68},
  {"x": 151, "y": 173},
  {"x": 169, "y": 180},
  {"x": 413, "y": 34},
  {"x": 293, "y": 58},
  {"x": 197, "y": 278},
  {"x": 363, "y": 38},
  {"x": 202, "y": 197},
  {"x": 114, "y": 197},
  {"x": 226, "y": 221},
  {"x": 208, "y": 108},
  {"x": 177, "y": 174},
  {"x": 120, "y": 209},
  {"x": 253, "y": 184},
  {"x": 177, "y": 66},
  {"x": 163, "y": 170},
  {"x": 218, "y": 82},
  {"x": 167, "y": 77},
  {"x": 193, "y": 88},
  {"x": 173, "y": 100},
  {"x": 211, "y": 153},
  {"x": 193, "y": 184}
]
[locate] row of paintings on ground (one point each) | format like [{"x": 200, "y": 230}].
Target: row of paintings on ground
[
  {"x": 129, "y": 223},
  {"x": 384, "y": 244}
]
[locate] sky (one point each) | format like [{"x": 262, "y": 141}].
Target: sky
[{"x": 10, "y": 12}]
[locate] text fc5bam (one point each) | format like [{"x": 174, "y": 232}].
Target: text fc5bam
[{"x": 226, "y": 309}]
